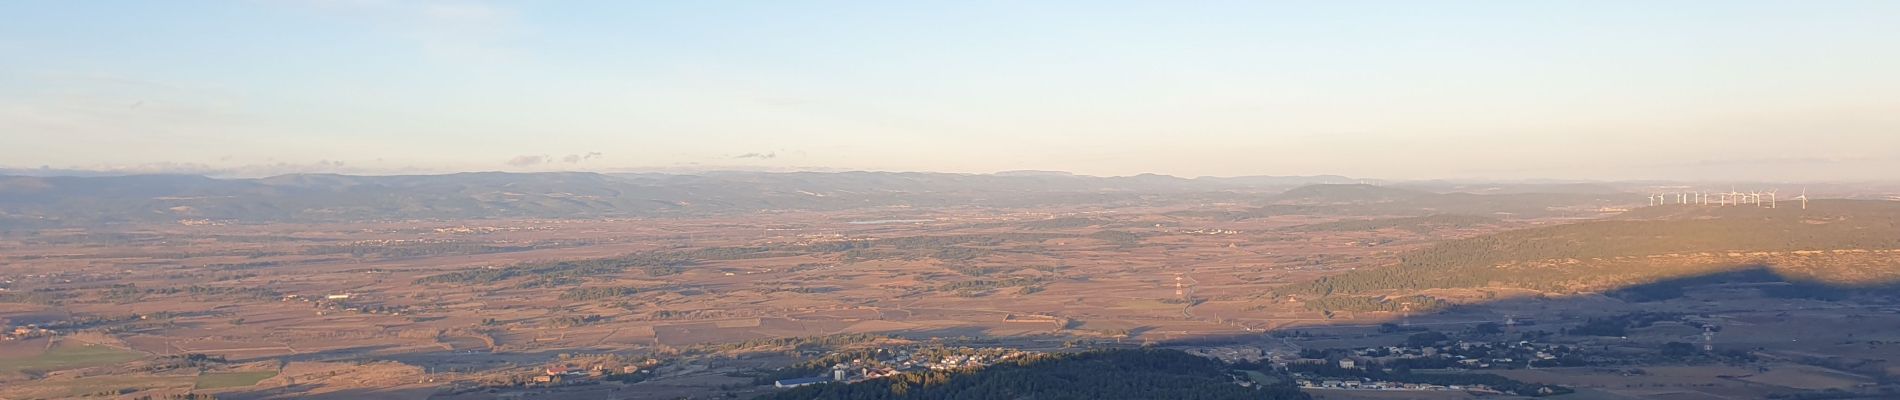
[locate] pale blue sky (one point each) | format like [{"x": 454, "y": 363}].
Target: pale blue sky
[{"x": 1398, "y": 89}]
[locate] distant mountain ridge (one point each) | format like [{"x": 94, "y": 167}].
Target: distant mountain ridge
[
  {"x": 1348, "y": 193},
  {"x": 68, "y": 200}
]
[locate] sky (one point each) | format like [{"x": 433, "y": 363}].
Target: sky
[{"x": 1760, "y": 90}]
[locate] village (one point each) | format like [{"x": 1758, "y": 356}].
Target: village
[
  {"x": 1433, "y": 361},
  {"x": 892, "y": 361}
]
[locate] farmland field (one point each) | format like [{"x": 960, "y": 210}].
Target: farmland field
[{"x": 66, "y": 356}]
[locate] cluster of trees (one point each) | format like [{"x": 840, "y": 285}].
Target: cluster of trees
[
  {"x": 1118, "y": 238},
  {"x": 980, "y": 240},
  {"x": 246, "y": 292},
  {"x": 973, "y": 270},
  {"x": 663, "y": 270},
  {"x": 959, "y": 253},
  {"x": 189, "y": 360},
  {"x": 122, "y": 294},
  {"x": 672, "y": 314},
  {"x": 1376, "y": 303},
  {"x": 548, "y": 282},
  {"x": 1101, "y": 375},
  {"x": 41, "y": 296},
  {"x": 558, "y": 269},
  {"x": 838, "y": 247},
  {"x": 1620, "y": 325},
  {"x": 372, "y": 308},
  {"x": 1063, "y": 223},
  {"x": 600, "y": 292},
  {"x": 801, "y": 342},
  {"x": 806, "y": 289},
  {"x": 979, "y": 285},
  {"x": 657, "y": 263},
  {"x": 409, "y": 250},
  {"x": 949, "y": 248},
  {"x": 858, "y": 255},
  {"x": 129, "y": 293},
  {"x": 1425, "y": 339},
  {"x": 243, "y": 265},
  {"x": 569, "y": 321}
]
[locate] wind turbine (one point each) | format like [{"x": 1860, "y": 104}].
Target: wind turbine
[
  {"x": 1804, "y": 198},
  {"x": 1771, "y": 198}
]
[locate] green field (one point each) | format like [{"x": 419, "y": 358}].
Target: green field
[
  {"x": 105, "y": 384},
  {"x": 232, "y": 379},
  {"x": 68, "y": 357}
]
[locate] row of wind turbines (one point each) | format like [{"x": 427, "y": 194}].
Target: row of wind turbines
[{"x": 1731, "y": 198}]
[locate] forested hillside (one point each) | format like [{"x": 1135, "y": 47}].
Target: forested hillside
[{"x": 1591, "y": 255}]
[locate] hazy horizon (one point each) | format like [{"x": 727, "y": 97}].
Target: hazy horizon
[
  {"x": 1749, "y": 90},
  {"x": 850, "y": 200}
]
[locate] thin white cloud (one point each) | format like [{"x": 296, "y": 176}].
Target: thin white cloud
[
  {"x": 528, "y": 161},
  {"x": 578, "y": 158}
]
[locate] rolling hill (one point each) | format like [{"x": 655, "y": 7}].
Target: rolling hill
[{"x": 1845, "y": 242}]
